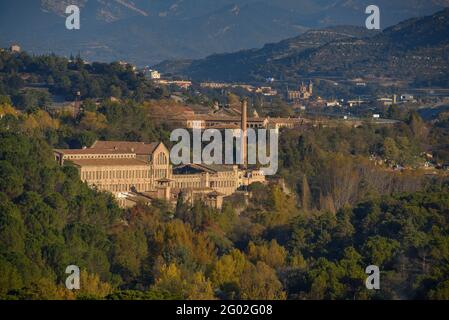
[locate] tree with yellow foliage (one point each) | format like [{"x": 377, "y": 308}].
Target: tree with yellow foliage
[
  {"x": 229, "y": 268},
  {"x": 182, "y": 285},
  {"x": 30, "y": 124},
  {"x": 40, "y": 120},
  {"x": 91, "y": 287},
  {"x": 6, "y": 108},
  {"x": 260, "y": 282},
  {"x": 200, "y": 288},
  {"x": 270, "y": 253},
  {"x": 93, "y": 121},
  {"x": 45, "y": 121}
]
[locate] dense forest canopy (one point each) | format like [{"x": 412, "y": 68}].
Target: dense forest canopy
[{"x": 270, "y": 250}]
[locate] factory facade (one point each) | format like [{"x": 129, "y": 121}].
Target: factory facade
[{"x": 138, "y": 171}]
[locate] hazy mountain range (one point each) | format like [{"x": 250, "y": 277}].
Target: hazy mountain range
[
  {"x": 416, "y": 50},
  {"x": 149, "y": 31}
]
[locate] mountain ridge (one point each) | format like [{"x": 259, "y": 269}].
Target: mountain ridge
[
  {"x": 149, "y": 31},
  {"x": 415, "y": 48}
]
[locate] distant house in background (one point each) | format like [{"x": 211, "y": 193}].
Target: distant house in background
[
  {"x": 266, "y": 91},
  {"x": 333, "y": 103},
  {"x": 15, "y": 48},
  {"x": 353, "y": 103},
  {"x": 126, "y": 64},
  {"x": 154, "y": 74},
  {"x": 386, "y": 101},
  {"x": 183, "y": 84},
  {"x": 405, "y": 97},
  {"x": 214, "y": 85},
  {"x": 151, "y": 74}
]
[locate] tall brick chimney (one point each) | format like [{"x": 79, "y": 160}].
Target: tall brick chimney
[{"x": 77, "y": 106}]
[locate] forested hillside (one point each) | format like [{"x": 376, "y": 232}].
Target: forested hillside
[
  {"x": 338, "y": 166},
  {"x": 333, "y": 209},
  {"x": 342, "y": 214},
  {"x": 32, "y": 81}
]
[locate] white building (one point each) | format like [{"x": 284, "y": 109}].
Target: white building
[
  {"x": 407, "y": 97},
  {"x": 334, "y": 103},
  {"x": 154, "y": 74},
  {"x": 386, "y": 101},
  {"x": 151, "y": 74},
  {"x": 15, "y": 48}
]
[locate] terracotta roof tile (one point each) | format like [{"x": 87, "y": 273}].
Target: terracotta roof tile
[{"x": 126, "y": 146}]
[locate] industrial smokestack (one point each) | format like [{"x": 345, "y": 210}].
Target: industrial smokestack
[
  {"x": 244, "y": 133},
  {"x": 77, "y": 106}
]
